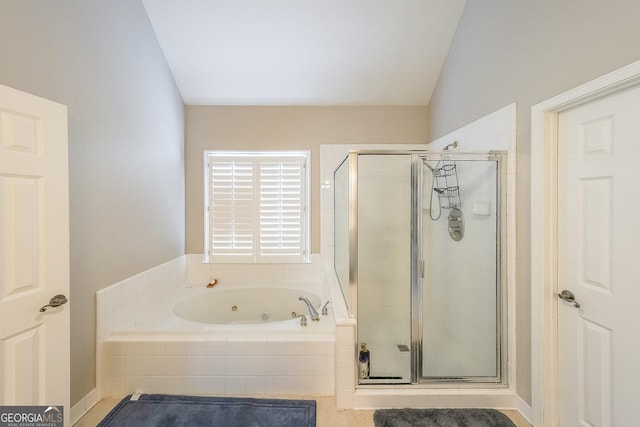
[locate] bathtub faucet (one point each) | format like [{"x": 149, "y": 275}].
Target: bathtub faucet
[
  {"x": 313, "y": 313},
  {"x": 303, "y": 320}
]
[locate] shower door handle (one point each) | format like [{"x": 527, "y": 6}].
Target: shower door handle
[{"x": 568, "y": 296}]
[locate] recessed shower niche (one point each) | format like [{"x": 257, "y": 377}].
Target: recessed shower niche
[{"x": 417, "y": 254}]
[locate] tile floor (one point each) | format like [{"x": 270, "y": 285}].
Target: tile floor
[{"x": 326, "y": 416}]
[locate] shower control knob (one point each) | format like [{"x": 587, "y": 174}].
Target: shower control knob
[{"x": 568, "y": 296}]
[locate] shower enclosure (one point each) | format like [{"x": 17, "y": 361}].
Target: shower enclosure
[{"x": 417, "y": 255}]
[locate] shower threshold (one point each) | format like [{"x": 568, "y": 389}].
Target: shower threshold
[{"x": 376, "y": 380}]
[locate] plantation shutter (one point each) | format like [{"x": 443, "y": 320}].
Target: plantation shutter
[
  {"x": 282, "y": 208},
  {"x": 231, "y": 206},
  {"x": 257, "y": 207}
]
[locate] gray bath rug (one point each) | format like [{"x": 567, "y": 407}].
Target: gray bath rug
[
  {"x": 152, "y": 410},
  {"x": 441, "y": 418}
]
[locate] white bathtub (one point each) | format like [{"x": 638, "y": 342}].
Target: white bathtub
[
  {"x": 192, "y": 341},
  {"x": 243, "y": 308}
]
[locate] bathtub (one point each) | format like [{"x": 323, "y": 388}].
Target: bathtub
[
  {"x": 244, "y": 306},
  {"x": 227, "y": 340},
  {"x": 193, "y": 309}
]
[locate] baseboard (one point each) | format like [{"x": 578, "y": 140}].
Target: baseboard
[
  {"x": 524, "y": 409},
  {"x": 83, "y": 406}
]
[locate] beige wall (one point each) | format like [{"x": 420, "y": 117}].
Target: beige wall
[
  {"x": 126, "y": 160},
  {"x": 287, "y": 128},
  {"x": 526, "y": 52}
]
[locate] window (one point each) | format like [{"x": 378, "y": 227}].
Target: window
[{"x": 256, "y": 206}]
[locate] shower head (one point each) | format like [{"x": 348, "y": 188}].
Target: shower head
[{"x": 454, "y": 144}]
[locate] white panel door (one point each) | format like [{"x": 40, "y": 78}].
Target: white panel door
[
  {"x": 598, "y": 260},
  {"x": 34, "y": 251}
]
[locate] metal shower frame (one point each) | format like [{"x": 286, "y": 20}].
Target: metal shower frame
[{"x": 417, "y": 265}]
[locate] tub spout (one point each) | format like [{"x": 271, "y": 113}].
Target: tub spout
[{"x": 313, "y": 313}]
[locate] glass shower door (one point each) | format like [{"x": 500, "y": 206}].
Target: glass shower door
[
  {"x": 460, "y": 287},
  {"x": 383, "y": 206}
]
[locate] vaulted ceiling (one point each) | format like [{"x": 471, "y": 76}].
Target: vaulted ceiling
[{"x": 305, "y": 52}]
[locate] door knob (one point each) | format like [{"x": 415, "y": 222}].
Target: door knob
[
  {"x": 568, "y": 296},
  {"x": 56, "y": 301}
]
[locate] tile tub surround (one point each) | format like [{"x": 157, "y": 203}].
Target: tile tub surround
[
  {"x": 167, "y": 362},
  {"x": 124, "y": 300},
  {"x": 222, "y": 364}
]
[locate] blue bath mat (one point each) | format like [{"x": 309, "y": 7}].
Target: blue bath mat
[{"x": 151, "y": 410}]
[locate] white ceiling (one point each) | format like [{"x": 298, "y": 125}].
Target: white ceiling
[{"x": 305, "y": 52}]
